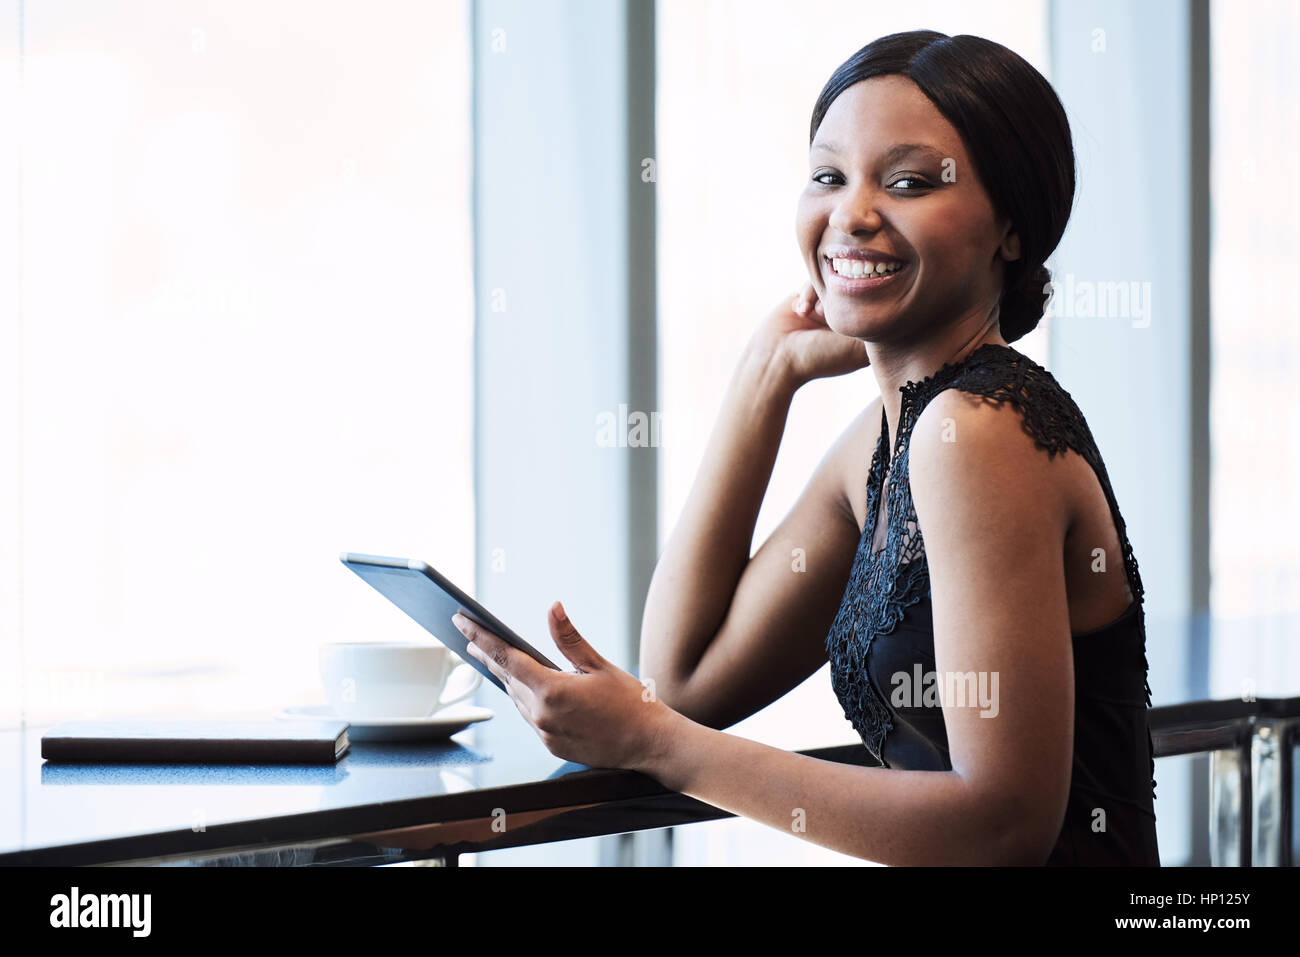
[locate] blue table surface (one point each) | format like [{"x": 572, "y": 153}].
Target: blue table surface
[{"x": 44, "y": 804}]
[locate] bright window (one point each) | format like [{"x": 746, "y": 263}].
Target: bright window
[
  {"x": 1254, "y": 350},
  {"x": 236, "y": 341}
]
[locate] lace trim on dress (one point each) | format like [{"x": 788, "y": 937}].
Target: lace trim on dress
[{"x": 882, "y": 585}]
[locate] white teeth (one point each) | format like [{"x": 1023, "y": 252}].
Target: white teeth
[{"x": 857, "y": 268}]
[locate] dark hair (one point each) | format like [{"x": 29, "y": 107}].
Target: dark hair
[{"x": 1015, "y": 129}]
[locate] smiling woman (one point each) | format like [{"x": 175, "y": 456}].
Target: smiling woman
[{"x": 971, "y": 561}]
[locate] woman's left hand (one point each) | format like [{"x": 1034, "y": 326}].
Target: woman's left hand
[{"x": 598, "y": 715}]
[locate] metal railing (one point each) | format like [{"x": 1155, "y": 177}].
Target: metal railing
[{"x": 1252, "y": 784}]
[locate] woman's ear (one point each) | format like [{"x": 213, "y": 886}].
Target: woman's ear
[{"x": 1010, "y": 245}]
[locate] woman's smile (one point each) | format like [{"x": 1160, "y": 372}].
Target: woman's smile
[{"x": 853, "y": 276}]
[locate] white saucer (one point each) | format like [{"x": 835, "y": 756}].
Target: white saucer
[{"x": 436, "y": 727}]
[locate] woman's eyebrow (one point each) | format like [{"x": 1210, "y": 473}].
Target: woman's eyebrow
[{"x": 893, "y": 154}]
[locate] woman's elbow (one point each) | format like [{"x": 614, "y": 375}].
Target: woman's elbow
[
  {"x": 1028, "y": 847},
  {"x": 1027, "y": 836}
]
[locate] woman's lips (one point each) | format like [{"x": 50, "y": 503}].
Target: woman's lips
[{"x": 862, "y": 286}]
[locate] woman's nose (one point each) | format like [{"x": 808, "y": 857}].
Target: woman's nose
[{"x": 856, "y": 209}]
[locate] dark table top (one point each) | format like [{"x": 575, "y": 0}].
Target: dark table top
[
  {"x": 95, "y": 814},
  {"x": 420, "y": 797}
]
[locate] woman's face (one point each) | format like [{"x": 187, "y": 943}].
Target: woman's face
[{"x": 889, "y": 176}]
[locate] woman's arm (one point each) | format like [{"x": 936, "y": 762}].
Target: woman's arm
[
  {"x": 994, "y": 518},
  {"x": 773, "y": 635},
  {"x": 891, "y": 817},
  {"x": 706, "y": 554},
  {"x": 724, "y": 633}
]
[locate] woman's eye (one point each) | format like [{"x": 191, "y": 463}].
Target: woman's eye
[
  {"x": 820, "y": 177},
  {"x": 919, "y": 183}
]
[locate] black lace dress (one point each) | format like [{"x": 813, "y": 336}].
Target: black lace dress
[{"x": 884, "y": 628}]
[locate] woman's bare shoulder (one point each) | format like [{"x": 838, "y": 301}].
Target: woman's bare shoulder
[{"x": 987, "y": 438}]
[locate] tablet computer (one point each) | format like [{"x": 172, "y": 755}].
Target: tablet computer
[{"x": 431, "y": 599}]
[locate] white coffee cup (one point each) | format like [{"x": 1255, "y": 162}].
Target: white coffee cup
[{"x": 392, "y": 679}]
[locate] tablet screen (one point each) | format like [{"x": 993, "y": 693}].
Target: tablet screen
[{"x": 431, "y": 599}]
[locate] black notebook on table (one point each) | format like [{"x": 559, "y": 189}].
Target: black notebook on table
[{"x": 196, "y": 741}]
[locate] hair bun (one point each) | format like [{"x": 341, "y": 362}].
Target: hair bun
[{"x": 1023, "y": 303}]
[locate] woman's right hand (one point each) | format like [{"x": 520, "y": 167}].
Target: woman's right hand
[{"x": 796, "y": 336}]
